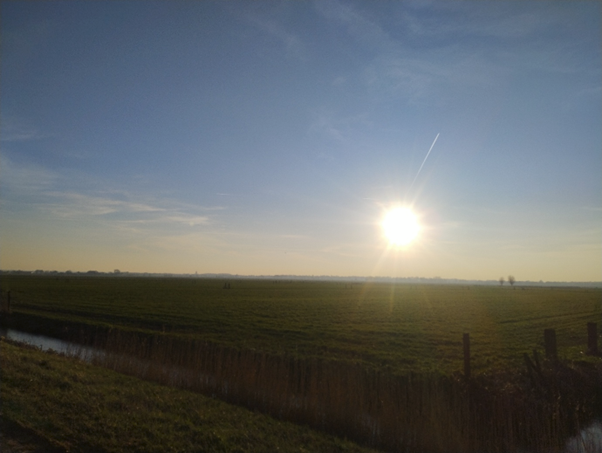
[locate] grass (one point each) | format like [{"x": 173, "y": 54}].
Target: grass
[
  {"x": 401, "y": 328},
  {"x": 67, "y": 405},
  {"x": 376, "y": 363},
  {"x": 534, "y": 409}
]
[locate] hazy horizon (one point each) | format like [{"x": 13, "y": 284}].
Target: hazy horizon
[
  {"x": 271, "y": 138},
  {"x": 117, "y": 273}
]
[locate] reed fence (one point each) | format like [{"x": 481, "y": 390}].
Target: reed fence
[{"x": 535, "y": 408}]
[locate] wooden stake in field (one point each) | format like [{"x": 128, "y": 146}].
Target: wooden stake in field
[
  {"x": 5, "y": 304},
  {"x": 592, "y": 338},
  {"x": 466, "y": 340},
  {"x": 549, "y": 336}
]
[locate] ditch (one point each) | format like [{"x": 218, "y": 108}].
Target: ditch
[{"x": 588, "y": 440}]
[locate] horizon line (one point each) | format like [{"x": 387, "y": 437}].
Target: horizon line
[{"x": 118, "y": 273}]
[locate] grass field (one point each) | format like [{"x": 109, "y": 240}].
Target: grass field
[
  {"x": 377, "y": 363},
  {"x": 398, "y": 327}
]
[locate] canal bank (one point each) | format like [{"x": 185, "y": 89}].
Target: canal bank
[{"x": 588, "y": 440}]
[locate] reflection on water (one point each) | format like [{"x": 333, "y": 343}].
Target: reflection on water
[
  {"x": 48, "y": 343},
  {"x": 588, "y": 441}
]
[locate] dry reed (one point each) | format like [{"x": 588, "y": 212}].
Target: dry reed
[{"x": 537, "y": 408}]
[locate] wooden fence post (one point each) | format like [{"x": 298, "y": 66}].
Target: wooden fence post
[
  {"x": 466, "y": 341},
  {"x": 5, "y": 303},
  {"x": 592, "y": 338},
  {"x": 549, "y": 336}
]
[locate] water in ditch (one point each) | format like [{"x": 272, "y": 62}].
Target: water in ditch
[{"x": 48, "y": 343}]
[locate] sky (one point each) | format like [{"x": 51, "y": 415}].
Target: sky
[{"x": 263, "y": 138}]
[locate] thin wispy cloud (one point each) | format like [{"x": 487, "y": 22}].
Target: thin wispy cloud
[
  {"x": 270, "y": 22},
  {"x": 293, "y": 45},
  {"x": 501, "y": 20},
  {"x": 335, "y": 125},
  {"x": 360, "y": 27},
  {"x": 399, "y": 68},
  {"x": 426, "y": 61},
  {"x": 77, "y": 204},
  {"x": 117, "y": 209},
  {"x": 161, "y": 214},
  {"x": 324, "y": 123},
  {"x": 13, "y": 130},
  {"x": 25, "y": 178}
]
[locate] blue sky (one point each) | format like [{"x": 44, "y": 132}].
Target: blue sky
[{"x": 272, "y": 137}]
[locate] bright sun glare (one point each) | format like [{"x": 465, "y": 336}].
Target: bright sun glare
[{"x": 400, "y": 226}]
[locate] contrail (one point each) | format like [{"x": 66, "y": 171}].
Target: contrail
[{"x": 427, "y": 156}]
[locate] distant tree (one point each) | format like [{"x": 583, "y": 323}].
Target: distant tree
[
  {"x": 511, "y": 280},
  {"x": 502, "y": 281}
]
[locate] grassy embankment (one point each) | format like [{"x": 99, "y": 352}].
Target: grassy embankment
[
  {"x": 54, "y": 403},
  {"x": 338, "y": 357}
]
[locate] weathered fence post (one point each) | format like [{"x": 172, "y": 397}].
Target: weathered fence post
[
  {"x": 466, "y": 340},
  {"x": 5, "y": 303},
  {"x": 592, "y": 338},
  {"x": 549, "y": 336}
]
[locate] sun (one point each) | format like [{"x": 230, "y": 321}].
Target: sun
[{"x": 400, "y": 226}]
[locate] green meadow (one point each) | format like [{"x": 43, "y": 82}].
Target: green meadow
[{"x": 398, "y": 327}]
